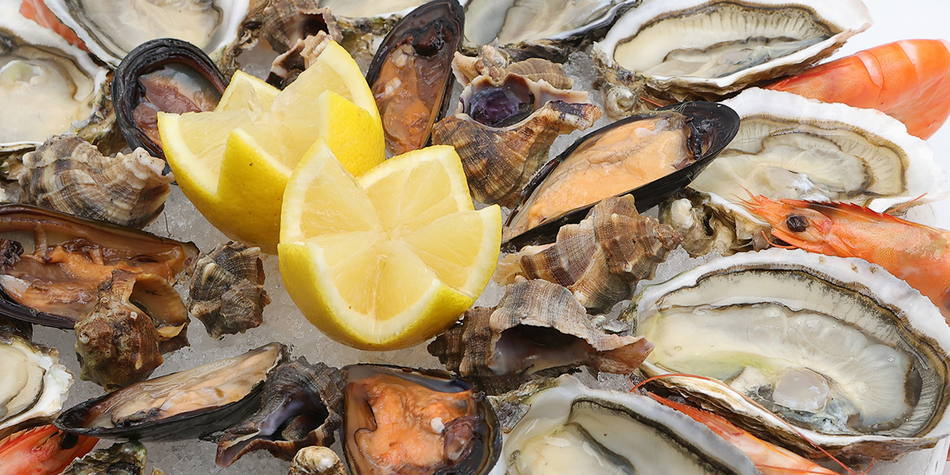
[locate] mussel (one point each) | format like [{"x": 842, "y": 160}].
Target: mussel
[
  {"x": 650, "y": 156},
  {"x": 166, "y": 75},
  {"x": 180, "y": 405},
  {"x": 411, "y": 76},
  {"x": 398, "y": 420},
  {"x": 52, "y": 263}
]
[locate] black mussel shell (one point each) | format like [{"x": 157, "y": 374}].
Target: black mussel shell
[
  {"x": 713, "y": 126},
  {"x": 19, "y": 221},
  {"x": 478, "y": 458},
  {"x": 143, "y": 425},
  {"x": 434, "y": 30},
  {"x": 163, "y": 54}
]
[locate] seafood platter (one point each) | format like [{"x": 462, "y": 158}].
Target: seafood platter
[{"x": 465, "y": 237}]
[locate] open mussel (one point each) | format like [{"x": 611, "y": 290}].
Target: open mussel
[
  {"x": 163, "y": 75},
  {"x": 649, "y": 156},
  {"x": 398, "y": 420},
  {"x": 411, "y": 76},
  {"x": 53, "y": 264},
  {"x": 181, "y": 405}
]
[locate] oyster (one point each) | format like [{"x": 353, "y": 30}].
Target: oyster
[
  {"x": 507, "y": 119},
  {"x": 791, "y": 147},
  {"x": 118, "y": 344},
  {"x": 69, "y": 175},
  {"x": 600, "y": 259},
  {"x": 316, "y": 461},
  {"x": 537, "y": 330},
  {"x": 34, "y": 383},
  {"x": 47, "y": 86},
  {"x": 121, "y": 459},
  {"x": 410, "y": 74},
  {"x": 683, "y": 49},
  {"x": 547, "y": 27},
  {"x": 52, "y": 264},
  {"x": 302, "y": 405},
  {"x": 398, "y": 420},
  {"x": 113, "y": 28},
  {"x": 182, "y": 405},
  {"x": 227, "y": 289},
  {"x": 162, "y": 75},
  {"x": 672, "y": 146},
  {"x": 851, "y": 357},
  {"x": 705, "y": 226},
  {"x": 574, "y": 428}
]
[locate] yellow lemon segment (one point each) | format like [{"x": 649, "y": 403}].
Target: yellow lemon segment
[
  {"x": 390, "y": 259},
  {"x": 234, "y": 162}
]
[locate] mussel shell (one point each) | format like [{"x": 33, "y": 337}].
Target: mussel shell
[
  {"x": 128, "y": 92},
  {"x": 186, "y": 425},
  {"x": 713, "y": 127},
  {"x": 483, "y": 455},
  {"x": 438, "y": 24},
  {"x": 27, "y": 218}
]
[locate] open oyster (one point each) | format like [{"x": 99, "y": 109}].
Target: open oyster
[
  {"x": 70, "y": 175},
  {"x": 672, "y": 146},
  {"x": 681, "y": 49},
  {"x": 181, "y": 405},
  {"x": 398, "y": 420},
  {"x": 316, "y": 460},
  {"x": 47, "y": 86},
  {"x": 573, "y": 428},
  {"x": 843, "y": 354},
  {"x": 537, "y": 330},
  {"x": 34, "y": 383},
  {"x": 113, "y": 28},
  {"x": 120, "y": 459}
]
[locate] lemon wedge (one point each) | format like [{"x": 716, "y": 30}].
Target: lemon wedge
[
  {"x": 391, "y": 258},
  {"x": 234, "y": 162}
]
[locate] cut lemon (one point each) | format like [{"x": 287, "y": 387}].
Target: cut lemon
[
  {"x": 389, "y": 259},
  {"x": 233, "y": 163}
]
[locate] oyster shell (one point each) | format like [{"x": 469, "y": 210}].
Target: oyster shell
[
  {"x": 47, "y": 86},
  {"x": 316, "y": 461},
  {"x": 302, "y": 405},
  {"x": 120, "y": 459},
  {"x": 674, "y": 144},
  {"x": 845, "y": 356},
  {"x": 398, "y": 420},
  {"x": 545, "y": 27},
  {"x": 791, "y": 147},
  {"x": 182, "y": 405},
  {"x": 113, "y": 28},
  {"x": 538, "y": 330},
  {"x": 574, "y": 428},
  {"x": 681, "y": 49},
  {"x": 162, "y": 75},
  {"x": 507, "y": 119},
  {"x": 34, "y": 382},
  {"x": 601, "y": 259},
  {"x": 52, "y": 264},
  {"x": 227, "y": 289},
  {"x": 410, "y": 73},
  {"x": 69, "y": 175}
]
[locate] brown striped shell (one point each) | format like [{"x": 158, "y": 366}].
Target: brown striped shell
[
  {"x": 537, "y": 330},
  {"x": 227, "y": 289},
  {"x": 69, "y": 175}
]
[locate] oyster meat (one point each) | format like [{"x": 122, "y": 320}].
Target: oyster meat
[
  {"x": 113, "y": 28},
  {"x": 70, "y": 175},
  {"x": 398, "y": 420},
  {"x": 600, "y": 259},
  {"x": 682, "y": 49},
  {"x": 182, "y": 405},
  {"x": 47, "y": 86},
  {"x": 538, "y": 330},
  {"x": 507, "y": 119},
  {"x": 852, "y": 357},
  {"x": 574, "y": 428},
  {"x": 227, "y": 289}
]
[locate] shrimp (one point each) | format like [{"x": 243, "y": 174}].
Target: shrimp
[
  {"x": 769, "y": 458},
  {"x": 907, "y": 79},
  {"x": 37, "y": 11},
  {"x": 42, "y": 450},
  {"x": 916, "y": 253}
]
